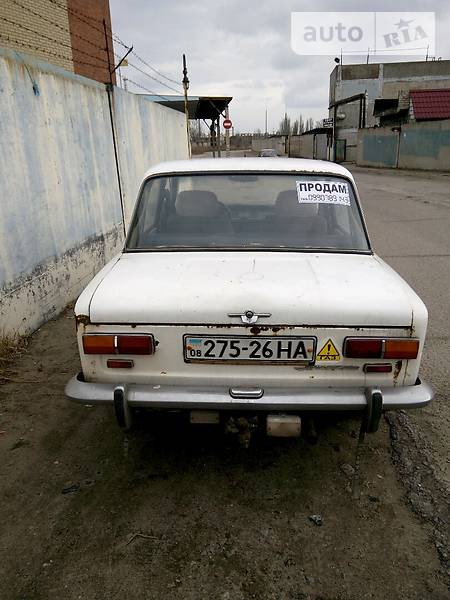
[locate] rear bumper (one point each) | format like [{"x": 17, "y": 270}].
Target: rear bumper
[{"x": 208, "y": 398}]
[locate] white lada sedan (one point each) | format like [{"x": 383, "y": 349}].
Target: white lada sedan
[{"x": 248, "y": 289}]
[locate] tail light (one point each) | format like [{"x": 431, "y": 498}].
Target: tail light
[
  {"x": 405, "y": 348},
  {"x": 118, "y": 344},
  {"x": 363, "y": 348},
  {"x": 359, "y": 347}
]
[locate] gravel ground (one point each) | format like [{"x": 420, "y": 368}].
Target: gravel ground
[{"x": 179, "y": 512}]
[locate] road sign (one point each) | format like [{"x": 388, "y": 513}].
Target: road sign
[{"x": 227, "y": 124}]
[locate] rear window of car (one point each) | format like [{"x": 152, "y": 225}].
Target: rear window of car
[{"x": 248, "y": 211}]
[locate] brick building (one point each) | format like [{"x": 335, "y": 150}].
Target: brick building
[{"x": 68, "y": 33}]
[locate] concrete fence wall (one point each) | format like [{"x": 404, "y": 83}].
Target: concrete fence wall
[
  {"x": 301, "y": 146},
  {"x": 425, "y": 146},
  {"x": 377, "y": 147},
  {"x": 60, "y": 213},
  {"x": 415, "y": 146},
  {"x": 314, "y": 145}
]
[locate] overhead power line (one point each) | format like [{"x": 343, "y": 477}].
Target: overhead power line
[
  {"x": 151, "y": 76},
  {"x": 154, "y": 69},
  {"x": 148, "y": 90}
]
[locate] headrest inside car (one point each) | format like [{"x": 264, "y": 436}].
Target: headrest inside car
[
  {"x": 287, "y": 205},
  {"x": 198, "y": 203}
]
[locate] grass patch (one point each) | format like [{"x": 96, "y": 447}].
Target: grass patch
[{"x": 12, "y": 346}]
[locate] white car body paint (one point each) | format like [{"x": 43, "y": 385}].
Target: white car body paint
[{"x": 329, "y": 295}]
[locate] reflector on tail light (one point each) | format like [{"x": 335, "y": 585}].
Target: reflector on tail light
[
  {"x": 360, "y": 347},
  {"x": 118, "y": 344},
  {"x": 119, "y": 363},
  {"x": 380, "y": 368}
]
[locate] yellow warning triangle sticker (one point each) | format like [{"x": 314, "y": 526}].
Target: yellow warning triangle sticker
[{"x": 328, "y": 352}]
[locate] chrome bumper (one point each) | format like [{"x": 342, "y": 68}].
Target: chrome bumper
[{"x": 291, "y": 399}]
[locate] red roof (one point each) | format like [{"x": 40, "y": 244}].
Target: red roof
[{"x": 431, "y": 104}]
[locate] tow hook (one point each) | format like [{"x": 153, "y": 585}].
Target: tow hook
[
  {"x": 121, "y": 408},
  {"x": 370, "y": 423},
  {"x": 243, "y": 426}
]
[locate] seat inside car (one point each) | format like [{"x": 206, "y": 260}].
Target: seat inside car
[
  {"x": 296, "y": 217},
  {"x": 199, "y": 212}
]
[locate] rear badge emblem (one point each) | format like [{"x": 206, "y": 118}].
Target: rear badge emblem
[{"x": 249, "y": 317}]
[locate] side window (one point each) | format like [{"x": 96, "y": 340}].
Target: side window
[
  {"x": 342, "y": 219},
  {"x": 146, "y": 217},
  {"x": 150, "y": 201}
]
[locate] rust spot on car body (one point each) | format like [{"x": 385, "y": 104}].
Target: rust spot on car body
[
  {"x": 83, "y": 319},
  {"x": 397, "y": 369}
]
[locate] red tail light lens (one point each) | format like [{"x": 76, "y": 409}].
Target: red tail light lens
[
  {"x": 118, "y": 344},
  {"x": 391, "y": 348},
  {"x": 363, "y": 348},
  {"x": 135, "y": 344}
]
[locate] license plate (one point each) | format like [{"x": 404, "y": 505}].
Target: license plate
[{"x": 275, "y": 349}]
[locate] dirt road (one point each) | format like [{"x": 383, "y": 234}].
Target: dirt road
[{"x": 180, "y": 513}]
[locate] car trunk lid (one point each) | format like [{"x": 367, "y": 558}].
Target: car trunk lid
[{"x": 295, "y": 288}]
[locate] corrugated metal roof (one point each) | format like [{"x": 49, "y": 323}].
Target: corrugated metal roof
[
  {"x": 431, "y": 104},
  {"x": 199, "y": 107}
]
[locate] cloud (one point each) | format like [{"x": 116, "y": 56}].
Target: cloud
[{"x": 242, "y": 49}]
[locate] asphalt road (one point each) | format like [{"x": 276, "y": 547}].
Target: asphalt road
[
  {"x": 173, "y": 512},
  {"x": 408, "y": 216}
]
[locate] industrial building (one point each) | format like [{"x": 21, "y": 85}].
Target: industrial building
[{"x": 370, "y": 95}]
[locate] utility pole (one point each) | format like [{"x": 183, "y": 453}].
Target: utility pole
[
  {"x": 110, "y": 91},
  {"x": 186, "y": 106},
  {"x": 219, "y": 154},
  {"x": 212, "y": 132},
  {"x": 227, "y": 133},
  {"x": 265, "y": 128}
]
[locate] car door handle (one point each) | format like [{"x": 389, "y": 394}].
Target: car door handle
[{"x": 246, "y": 393}]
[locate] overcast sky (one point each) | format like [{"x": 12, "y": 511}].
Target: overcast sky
[{"x": 242, "y": 48}]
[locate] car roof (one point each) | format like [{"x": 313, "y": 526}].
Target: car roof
[{"x": 257, "y": 164}]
